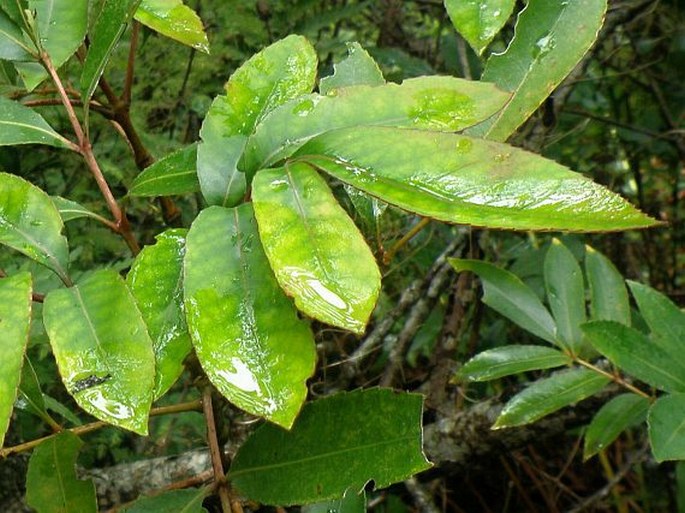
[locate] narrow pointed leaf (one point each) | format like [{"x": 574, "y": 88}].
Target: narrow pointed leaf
[
  {"x": 666, "y": 421},
  {"x": 15, "y": 320},
  {"x": 634, "y": 353},
  {"x": 176, "y": 501},
  {"x": 156, "y": 282},
  {"x": 13, "y": 45},
  {"x": 245, "y": 331},
  {"x": 608, "y": 293},
  {"x": 548, "y": 395},
  {"x": 104, "y": 36},
  {"x": 30, "y": 223},
  {"x": 508, "y": 295},
  {"x": 338, "y": 443},
  {"x": 70, "y": 210},
  {"x": 622, "y": 412},
  {"x": 103, "y": 351},
  {"x": 51, "y": 483},
  {"x": 458, "y": 179},
  {"x": 565, "y": 294},
  {"x": 429, "y": 103},
  {"x": 174, "y": 20},
  {"x": 505, "y": 361},
  {"x": 22, "y": 125},
  {"x": 665, "y": 320},
  {"x": 351, "y": 502},
  {"x": 174, "y": 174},
  {"x": 477, "y": 21},
  {"x": 280, "y": 72},
  {"x": 30, "y": 394},
  {"x": 550, "y": 39},
  {"x": 358, "y": 68},
  {"x": 316, "y": 251}
]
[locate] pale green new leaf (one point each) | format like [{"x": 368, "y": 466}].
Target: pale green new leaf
[
  {"x": 612, "y": 419},
  {"x": 637, "y": 355},
  {"x": 245, "y": 331},
  {"x": 608, "y": 293},
  {"x": 338, "y": 444},
  {"x": 30, "y": 223},
  {"x": 22, "y": 125},
  {"x": 666, "y": 421},
  {"x": 175, "y": 501},
  {"x": 103, "y": 351},
  {"x": 508, "y": 360},
  {"x": 316, "y": 251},
  {"x": 479, "y": 21},
  {"x": 459, "y": 179},
  {"x": 550, "y": 39},
  {"x": 174, "y": 20},
  {"x": 70, "y": 210},
  {"x": 358, "y": 68},
  {"x": 15, "y": 320},
  {"x": 548, "y": 395},
  {"x": 174, "y": 174},
  {"x": 51, "y": 483}
]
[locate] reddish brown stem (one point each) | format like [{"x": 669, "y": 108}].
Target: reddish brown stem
[{"x": 215, "y": 451}]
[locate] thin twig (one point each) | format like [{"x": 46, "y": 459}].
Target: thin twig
[
  {"x": 130, "y": 66},
  {"x": 613, "y": 377},
  {"x": 215, "y": 451}
]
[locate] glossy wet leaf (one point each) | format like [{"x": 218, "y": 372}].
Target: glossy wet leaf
[
  {"x": 103, "y": 351},
  {"x": 358, "y": 68},
  {"x": 174, "y": 174},
  {"x": 246, "y": 333},
  {"x": 665, "y": 320},
  {"x": 15, "y": 320},
  {"x": 30, "y": 223},
  {"x": 666, "y": 421},
  {"x": 13, "y": 44},
  {"x": 316, "y": 251},
  {"x": 619, "y": 414},
  {"x": 338, "y": 444},
  {"x": 479, "y": 21},
  {"x": 548, "y": 395},
  {"x": 565, "y": 294},
  {"x": 174, "y": 20},
  {"x": 61, "y": 27},
  {"x": 280, "y": 72},
  {"x": 156, "y": 282},
  {"x": 70, "y": 210},
  {"x": 608, "y": 293},
  {"x": 51, "y": 483},
  {"x": 505, "y": 293},
  {"x": 104, "y": 36},
  {"x": 428, "y": 103},
  {"x": 175, "y": 501},
  {"x": 351, "y": 502},
  {"x": 459, "y": 179},
  {"x": 636, "y": 354},
  {"x": 22, "y": 125},
  {"x": 508, "y": 360},
  {"x": 550, "y": 39}
]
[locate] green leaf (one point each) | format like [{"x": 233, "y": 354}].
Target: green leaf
[
  {"x": 505, "y": 293},
  {"x": 338, "y": 443},
  {"x": 477, "y": 21},
  {"x": 316, "y": 251},
  {"x": 608, "y": 293},
  {"x": 612, "y": 419},
  {"x": 174, "y": 174},
  {"x": 565, "y": 294},
  {"x": 174, "y": 20},
  {"x": 176, "y": 501},
  {"x": 634, "y": 353},
  {"x": 15, "y": 320},
  {"x": 51, "y": 483},
  {"x": 550, "y": 39},
  {"x": 104, "y": 36},
  {"x": 103, "y": 351},
  {"x": 666, "y": 421},
  {"x": 245, "y": 331},
  {"x": 505, "y": 361},
  {"x": 30, "y": 394},
  {"x": 156, "y": 282},
  {"x": 61, "y": 27},
  {"x": 13, "y": 45},
  {"x": 22, "y": 125},
  {"x": 358, "y": 68},
  {"x": 30, "y": 223},
  {"x": 665, "y": 320},
  {"x": 458, "y": 179},
  {"x": 70, "y": 210},
  {"x": 548, "y": 395},
  {"x": 351, "y": 502},
  {"x": 429, "y": 103},
  {"x": 280, "y": 72}
]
